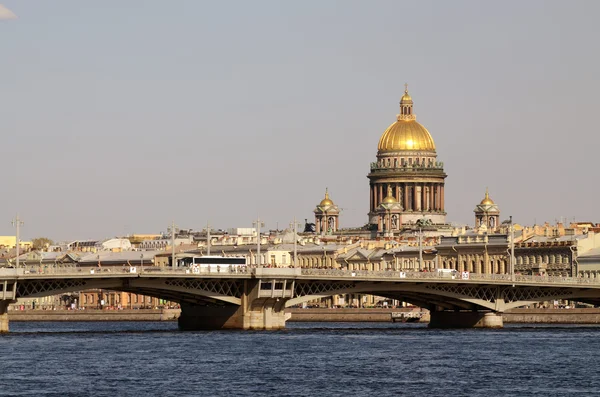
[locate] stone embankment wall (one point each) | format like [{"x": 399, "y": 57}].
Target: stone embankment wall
[
  {"x": 529, "y": 316},
  {"x": 335, "y": 315},
  {"x": 552, "y": 316},
  {"x": 94, "y": 315}
]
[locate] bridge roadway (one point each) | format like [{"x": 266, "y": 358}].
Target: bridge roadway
[{"x": 255, "y": 298}]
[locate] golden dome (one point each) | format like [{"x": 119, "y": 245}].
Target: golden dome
[
  {"x": 326, "y": 201},
  {"x": 487, "y": 200},
  {"x": 389, "y": 199},
  {"x": 406, "y": 135}
]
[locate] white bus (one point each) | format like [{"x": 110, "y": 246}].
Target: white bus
[
  {"x": 216, "y": 264},
  {"x": 447, "y": 273}
]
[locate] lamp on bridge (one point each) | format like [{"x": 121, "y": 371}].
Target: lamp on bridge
[
  {"x": 259, "y": 224},
  {"x": 17, "y": 223},
  {"x": 512, "y": 250},
  {"x": 294, "y": 225}
]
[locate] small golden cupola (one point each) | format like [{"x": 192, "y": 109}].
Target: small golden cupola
[
  {"x": 487, "y": 200},
  {"x": 389, "y": 212},
  {"x": 389, "y": 199},
  {"x": 326, "y": 201},
  {"x": 487, "y": 214},
  {"x": 326, "y": 216}
]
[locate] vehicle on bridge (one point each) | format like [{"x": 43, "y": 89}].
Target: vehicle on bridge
[
  {"x": 447, "y": 273},
  {"x": 213, "y": 263}
]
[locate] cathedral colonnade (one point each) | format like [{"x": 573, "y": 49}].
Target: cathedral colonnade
[{"x": 414, "y": 196}]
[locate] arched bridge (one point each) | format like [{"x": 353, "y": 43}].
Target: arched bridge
[{"x": 255, "y": 298}]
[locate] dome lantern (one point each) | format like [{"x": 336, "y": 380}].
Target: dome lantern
[{"x": 406, "y": 106}]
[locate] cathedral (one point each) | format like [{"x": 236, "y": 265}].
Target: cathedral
[{"x": 406, "y": 182}]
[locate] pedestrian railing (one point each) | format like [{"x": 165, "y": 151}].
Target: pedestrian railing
[{"x": 54, "y": 271}]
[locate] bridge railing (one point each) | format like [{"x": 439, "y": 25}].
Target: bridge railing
[
  {"x": 102, "y": 271},
  {"x": 411, "y": 275},
  {"x": 74, "y": 269}
]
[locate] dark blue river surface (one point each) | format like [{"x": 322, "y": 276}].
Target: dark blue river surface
[{"x": 306, "y": 359}]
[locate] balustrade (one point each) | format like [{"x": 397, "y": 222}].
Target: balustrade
[{"x": 37, "y": 272}]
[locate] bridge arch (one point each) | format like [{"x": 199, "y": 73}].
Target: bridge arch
[
  {"x": 421, "y": 295},
  {"x": 176, "y": 290}
]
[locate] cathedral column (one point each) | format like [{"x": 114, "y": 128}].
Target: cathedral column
[
  {"x": 381, "y": 195},
  {"x": 398, "y": 192},
  {"x": 443, "y": 204},
  {"x": 431, "y": 204},
  {"x": 375, "y": 191},
  {"x": 406, "y": 197},
  {"x": 487, "y": 269},
  {"x": 424, "y": 197},
  {"x": 371, "y": 197},
  {"x": 415, "y": 197}
]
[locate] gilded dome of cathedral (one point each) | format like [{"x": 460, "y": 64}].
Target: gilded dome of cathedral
[{"x": 406, "y": 133}]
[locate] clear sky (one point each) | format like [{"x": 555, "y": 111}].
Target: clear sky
[{"x": 118, "y": 117}]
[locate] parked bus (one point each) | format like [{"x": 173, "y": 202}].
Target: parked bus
[
  {"x": 214, "y": 263},
  {"x": 447, "y": 273}
]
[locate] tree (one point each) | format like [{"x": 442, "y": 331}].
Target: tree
[{"x": 41, "y": 243}]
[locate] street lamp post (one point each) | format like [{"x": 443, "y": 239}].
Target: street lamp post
[
  {"x": 294, "y": 226},
  {"x": 259, "y": 224},
  {"x": 512, "y": 250},
  {"x": 17, "y": 223},
  {"x": 142, "y": 262},
  {"x": 207, "y": 238},
  {"x": 173, "y": 226}
]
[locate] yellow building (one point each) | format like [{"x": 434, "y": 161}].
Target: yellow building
[
  {"x": 10, "y": 242},
  {"x": 137, "y": 239}
]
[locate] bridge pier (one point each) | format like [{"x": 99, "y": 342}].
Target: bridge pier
[
  {"x": 450, "y": 319},
  {"x": 259, "y": 317},
  {"x": 4, "y": 315},
  {"x": 254, "y": 313}
]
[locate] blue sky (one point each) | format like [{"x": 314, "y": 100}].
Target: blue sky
[{"x": 118, "y": 117}]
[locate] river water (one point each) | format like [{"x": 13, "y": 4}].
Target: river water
[{"x": 306, "y": 359}]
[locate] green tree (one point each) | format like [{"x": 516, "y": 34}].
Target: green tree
[{"x": 41, "y": 243}]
